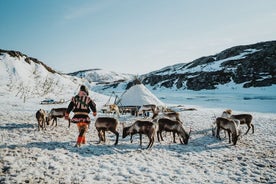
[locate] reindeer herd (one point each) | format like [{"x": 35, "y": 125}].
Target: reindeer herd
[
  {"x": 44, "y": 118},
  {"x": 166, "y": 121},
  {"x": 231, "y": 124}
]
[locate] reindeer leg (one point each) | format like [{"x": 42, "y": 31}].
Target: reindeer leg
[
  {"x": 140, "y": 140},
  {"x": 131, "y": 140},
  {"x": 117, "y": 136},
  {"x": 248, "y": 128},
  {"x": 252, "y": 128},
  {"x": 181, "y": 140},
  {"x": 100, "y": 136},
  {"x": 38, "y": 125},
  {"x": 149, "y": 142},
  {"x": 158, "y": 134},
  {"x": 161, "y": 136},
  {"x": 229, "y": 136},
  {"x": 174, "y": 137},
  {"x": 218, "y": 136},
  {"x": 152, "y": 141},
  {"x": 104, "y": 136}
]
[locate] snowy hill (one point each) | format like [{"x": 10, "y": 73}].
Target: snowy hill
[
  {"x": 28, "y": 78},
  {"x": 240, "y": 66},
  {"x": 249, "y": 65},
  {"x": 100, "y": 76}
]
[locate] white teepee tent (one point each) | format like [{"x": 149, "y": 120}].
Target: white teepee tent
[{"x": 138, "y": 95}]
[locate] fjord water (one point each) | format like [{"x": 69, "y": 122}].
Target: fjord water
[{"x": 239, "y": 101}]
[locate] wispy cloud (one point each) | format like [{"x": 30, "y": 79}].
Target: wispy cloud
[{"x": 87, "y": 9}]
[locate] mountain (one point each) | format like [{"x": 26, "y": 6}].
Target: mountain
[
  {"x": 105, "y": 80},
  {"x": 250, "y": 65},
  {"x": 246, "y": 66},
  {"x": 100, "y": 76},
  {"x": 28, "y": 78}
]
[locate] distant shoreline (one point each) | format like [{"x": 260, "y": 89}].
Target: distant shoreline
[{"x": 239, "y": 102}]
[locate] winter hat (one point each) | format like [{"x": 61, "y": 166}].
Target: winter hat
[{"x": 84, "y": 88}]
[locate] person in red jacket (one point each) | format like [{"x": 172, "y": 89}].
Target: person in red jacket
[{"x": 81, "y": 105}]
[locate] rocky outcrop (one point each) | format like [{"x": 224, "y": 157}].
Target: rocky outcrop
[{"x": 249, "y": 65}]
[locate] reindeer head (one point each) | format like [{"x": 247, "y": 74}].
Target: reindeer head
[
  {"x": 235, "y": 139},
  {"x": 185, "y": 137},
  {"x": 126, "y": 131},
  {"x": 227, "y": 113}
]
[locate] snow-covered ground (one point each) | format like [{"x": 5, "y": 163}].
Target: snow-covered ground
[{"x": 31, "y": 156}]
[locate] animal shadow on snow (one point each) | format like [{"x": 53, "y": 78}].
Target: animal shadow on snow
[
  {"x": 200, "y": 140},
  {"x": 10, "y": 126},
  {"x": 85, "y": 150}
]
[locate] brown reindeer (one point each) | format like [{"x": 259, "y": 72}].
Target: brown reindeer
[
  {"x": 41, "y": 116},
  {"x": 245, "y": 119},
  {"x": 169, "y": 125},
  {"x": 171, "y": 115},
  {"x": 57, "y": 113},
  {"x": 141, "y": 127},
  {"x": 230, "y": 126},
  {"x": 147, "y": 108},
  {"x": 104, "y": 124}
]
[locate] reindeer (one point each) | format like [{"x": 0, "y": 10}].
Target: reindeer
[
  {"x": 41, "y": 116},
  {"x": 57, "y": 113},
  {"x": 115, "y": 109},
  {"x": 175, "y": 126},
  {"x": 142, "y": 127},
  {"x": 243, "y": 118},
  {"x": 104, "y": 124},
  {"x": 147, "y": 108},
  {"x": 230, "y": 126},
  {"x": 112, "y": 108},
  {"x": 171, "y": 115}
]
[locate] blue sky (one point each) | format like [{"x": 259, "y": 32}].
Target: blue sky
[{"x": 134, "y": 36}]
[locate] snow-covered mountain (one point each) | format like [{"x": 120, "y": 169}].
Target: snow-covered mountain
[
  {"x": 100, "y": 76},
  {"x": 249, "y": 65},
  {"x": 244, "y": 66},
  {"x": 28, "y": 78}
]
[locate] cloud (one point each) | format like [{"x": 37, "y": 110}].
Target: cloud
[{"x": 84, "y": 10}]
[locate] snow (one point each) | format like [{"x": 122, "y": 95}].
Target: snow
[
  {"x": 32, "y": 156},
  {"x": 208, "y": 67},
  {"x": 102, "y": 75}
]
